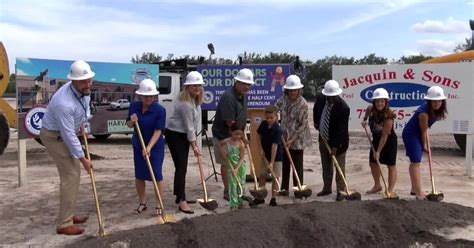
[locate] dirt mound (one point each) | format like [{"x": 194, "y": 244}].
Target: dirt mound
[{"x": 379, "y": 223}]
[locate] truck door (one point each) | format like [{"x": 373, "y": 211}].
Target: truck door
[{"x": 168, "y": 87}]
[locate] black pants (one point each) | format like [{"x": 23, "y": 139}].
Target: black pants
[
  {"x": 297, "y": 156},
  {"x": 179, "y": 147}
]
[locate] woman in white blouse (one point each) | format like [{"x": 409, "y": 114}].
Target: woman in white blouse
[{"x": 181, "y": 131}]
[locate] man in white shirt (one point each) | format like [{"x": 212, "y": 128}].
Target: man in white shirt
[{"x": 65, "y": 116}]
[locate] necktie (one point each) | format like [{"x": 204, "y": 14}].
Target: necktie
[{"x": 325, "y": 127}]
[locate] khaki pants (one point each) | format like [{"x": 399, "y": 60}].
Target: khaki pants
[
  {"x": 69, "y": 175},
  {"x": 329, "y": 170},
  {"x": 217, "y": 154}
]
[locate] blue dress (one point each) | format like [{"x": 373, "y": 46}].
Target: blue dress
[
  {"x": 412, "y": 134},
  {"x": 153, "y": 119}
]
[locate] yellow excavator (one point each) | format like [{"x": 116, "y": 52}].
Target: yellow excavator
[{"x": 7, "y": 113}]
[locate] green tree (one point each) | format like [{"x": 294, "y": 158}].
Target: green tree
[
  {"x": 11, "y": 87},
  {"x": 413, "y": 59},
  {"x": 461, "y": 47},
  {"x": 147, "y": 58},
  {"x": 371, "y": 59},
  {"x": 321, "y": 71}
]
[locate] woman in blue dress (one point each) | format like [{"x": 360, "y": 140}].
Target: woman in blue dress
[
  {"x": 151, "y": 117},
  {"x": 415, "y": 134}
]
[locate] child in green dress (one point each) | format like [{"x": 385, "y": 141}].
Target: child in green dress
[{"x": 233, "y": 150}]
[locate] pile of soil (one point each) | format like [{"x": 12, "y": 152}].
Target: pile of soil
[{"x": 382, "y": 223}]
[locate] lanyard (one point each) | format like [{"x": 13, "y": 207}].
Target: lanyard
[{"x": 79, "y": 100}]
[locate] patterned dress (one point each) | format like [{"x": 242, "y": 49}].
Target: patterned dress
[{"x": 233, "y": 156}]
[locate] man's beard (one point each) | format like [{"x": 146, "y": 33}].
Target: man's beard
[{"x": 86, "y": 92}]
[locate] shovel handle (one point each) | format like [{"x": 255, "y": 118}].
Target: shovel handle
[
  {"x": 150, "y": 168},
  {"x": 336, "y": 164},
  {"x": 249, "y": 154},
  {"x": 273, "y": 173},
  {"x": 433, "y": 188},
  {"x": 94, "y": 189},
  {"x": 201, "y": 173},
  {"x": 291, "y": 163},
  {"x": 236, "y": 178},
  {"x": 376, "y": 160}
]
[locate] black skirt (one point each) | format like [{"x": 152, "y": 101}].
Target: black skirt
[{"x": 388, "y": 155}]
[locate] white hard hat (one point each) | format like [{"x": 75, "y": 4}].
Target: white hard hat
[
  {"x": 435, "y": 93},
  {"x": 194, "y": 78},
  {"x": 380, "y": 93},
  {"x": 331, "y": 88},
  {"x": 245, "y": 76},
  {"x": 80, "y": 70},
  {"x": 293, "y": 82},
  {"x": 147, "y": 88}
]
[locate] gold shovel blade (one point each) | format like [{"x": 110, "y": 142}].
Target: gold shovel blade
[
  {"x": 303, "y": 187},
  {"x": 165, "y": 218}
]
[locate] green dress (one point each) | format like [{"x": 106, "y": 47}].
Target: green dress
[{"x": 233, "y": 156}]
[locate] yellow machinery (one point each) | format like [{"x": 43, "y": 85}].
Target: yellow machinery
[
  {"x": 7, "y": 113},
  {"x": 7, "y": 110}
]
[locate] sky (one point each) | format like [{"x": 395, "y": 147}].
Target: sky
[{"x": 115, "y": 31}]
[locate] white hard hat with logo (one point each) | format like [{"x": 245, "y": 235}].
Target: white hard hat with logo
[
  {"x": 435, "y": 93},
  {"x": 331, "y": 88},
  {"x": 293, "y": 82},
  {"x": 380, "y": 93},
  {"x": 80, "y": 70},
  {"x": 245, "y": 76},
  {"x": 147, "y": 88},
  {"x": 194, "y": 78}
]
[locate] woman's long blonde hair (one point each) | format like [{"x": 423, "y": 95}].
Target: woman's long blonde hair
[{"x": 184, "y": 96}]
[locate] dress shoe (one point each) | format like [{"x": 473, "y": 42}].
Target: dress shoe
[
  {"x": 273, "y": 202},
  {"x": 339, "y": 197},
  {"x": 324, "y": 192},
  {"x": 70, "y": 230},
  {"x": 79, "y": 220},
  {"x": 283, "y": 192}
]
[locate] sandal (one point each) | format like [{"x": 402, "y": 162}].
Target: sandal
[{"x": 141, "y": 207}]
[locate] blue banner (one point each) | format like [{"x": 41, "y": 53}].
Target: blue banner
[
  {"x": 119, "y": 73},
  {"x": 268, "y": 87}
]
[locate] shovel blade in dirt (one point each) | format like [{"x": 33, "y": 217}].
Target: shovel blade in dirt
[
  {"x": 210, "y": 204},
  {"x": 260, "y": 193},
  {"x": 390, "y": 196},
  {"x": 351, "y": 196},
  {"x": 165, "y": 218},
  {"x": 304, "y": 192},
  {"x": 437, "y": 197}
]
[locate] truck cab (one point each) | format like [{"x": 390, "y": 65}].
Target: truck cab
[{"x": 169, "y": 88}]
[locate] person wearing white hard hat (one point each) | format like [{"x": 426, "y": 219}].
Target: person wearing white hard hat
[
  {"x": 415, "y": 134},
  {"x": 295, "y": 129},
  {"x": 232, "y": 107},
  {"x": 331, "y": 119},
  {"x": 380, "y": 118},
  {"x": 151, "y": 117},
  {"x": 181, "y": 133},
  {"x": 65, "y": 116}
]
